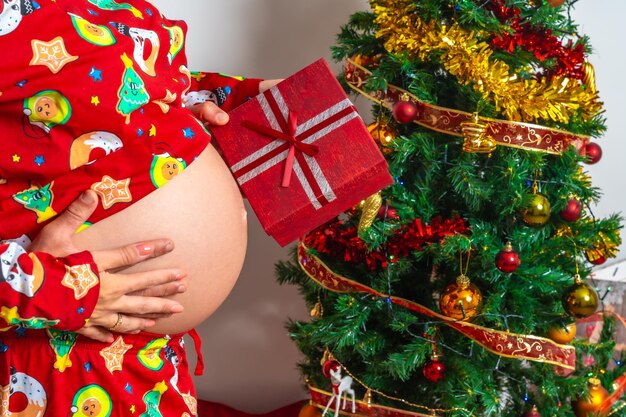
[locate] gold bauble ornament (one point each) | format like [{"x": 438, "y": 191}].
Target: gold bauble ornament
[
  {"x": 383, "y": 134},
  {"x": 591, "y": 403},
  {"x": 603, "y": 249},
  {"x": 461, "y": 300},
  {"x": 310, "y": 410},
  {"x": 537, "y": 213},
  {"x": 562, "y": 334},
  {"x": 580, "y": 300},
  {"x": 589, "y": 77},
  {"x": 317, "y": 311}
]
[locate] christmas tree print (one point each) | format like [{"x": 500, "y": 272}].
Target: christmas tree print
[
  {"x": 152, "y": 399},
  {"x": 38, "y": 200},
  {"x": 132, "y": 92}
]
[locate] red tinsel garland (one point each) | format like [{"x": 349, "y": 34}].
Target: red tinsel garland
[
  {"x": 540, "y": 42},
  {"x": 340, "y": 242}
]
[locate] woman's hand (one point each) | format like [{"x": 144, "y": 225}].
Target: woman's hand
[
  {"x": 128, "y": 302},
  {"x": 211, "y": 115}
]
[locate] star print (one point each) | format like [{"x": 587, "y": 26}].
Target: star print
[
  {"x": 95, "y": 100},
  {"x": 91, "y": 12},
  {"x": 128, "y": 388},
  {"x": 139, "y": 132},
  {"x": 152, "y": 131},
  {"x": 112, "y": 191},
  {"x": 3, "y": 348},
  {"x": 88, "y": 366},
  {"x": 51, "y": 54},
  {"x": 16, "y": 158},
  {"x": 191, "y": 402},
  {"x": 21, "y": 84},
  {"x": 21, "y": 331},
  {"x": 149, "y": 12},
  {"x": 39, "y": 160},
  {"x": 132, "y": 409},
  {"x": 96, "y": 74},
  {"x": 188, "y": 133},
  {"x": 80, "y": 310},
  {"x": 114, "y": 354},
  {"x": 79, "y": 278}
]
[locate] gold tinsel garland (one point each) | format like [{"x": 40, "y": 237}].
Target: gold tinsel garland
[{"x": 471, "y": 61}]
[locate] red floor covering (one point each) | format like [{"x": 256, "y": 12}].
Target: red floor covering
[{"x": 210, "y": 409}]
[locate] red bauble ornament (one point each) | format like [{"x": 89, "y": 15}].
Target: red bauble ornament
[
  {"x": 388, "y": 213},
  {"x": 434, "y": 370},
  {"x": 597, "y": 261},
  {"x": 507, "y": 260},
  {"x": 593, "y": 152},
  {"x": 572, "y": 211},
  {"x": 404, "y": 111},
  {"x": 328, "y": 365}
]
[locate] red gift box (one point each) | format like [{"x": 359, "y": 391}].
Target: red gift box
[{"x": 301, "y": 153}]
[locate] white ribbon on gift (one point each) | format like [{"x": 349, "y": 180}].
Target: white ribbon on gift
[{"x": 316, "y": 170}]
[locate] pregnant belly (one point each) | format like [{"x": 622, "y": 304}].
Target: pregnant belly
[{"x": 202, "y": 211}]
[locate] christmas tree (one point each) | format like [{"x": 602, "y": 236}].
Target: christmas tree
[{"x": 456, "y": 291}]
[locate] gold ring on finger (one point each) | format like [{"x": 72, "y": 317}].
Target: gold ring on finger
[{"x": 118, "y": 323}]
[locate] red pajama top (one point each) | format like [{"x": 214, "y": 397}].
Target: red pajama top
[{"x": 92, "y": 95}]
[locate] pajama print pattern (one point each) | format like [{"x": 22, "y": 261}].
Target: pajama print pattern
[{"x": 93, "y": 94}]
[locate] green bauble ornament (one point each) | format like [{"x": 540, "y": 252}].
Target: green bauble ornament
[{"x": 580, "y": 300}]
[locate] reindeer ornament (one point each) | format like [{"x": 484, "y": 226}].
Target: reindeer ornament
[{"x": 341, "y": 386}]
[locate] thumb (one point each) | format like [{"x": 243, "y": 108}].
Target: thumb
[{"x": 78, "y": 212}]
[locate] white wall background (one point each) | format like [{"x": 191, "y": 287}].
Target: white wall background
[{"x": 250, "y": 361}]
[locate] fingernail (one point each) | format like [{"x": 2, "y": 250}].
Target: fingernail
[
  {"x": 169, "y": 245},
  {"x": 222, "y": 117},
  {"x": 181, "y": 289},
  {"x": 145, "y": 249},
  {"x": 86, "y": 197},
  {"x": 177, "y": 308}
]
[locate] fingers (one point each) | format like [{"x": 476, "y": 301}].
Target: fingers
[
  {"x": 123, "y": 323},
  {"x": 56, "y": 237},
  {"x": 141, "y": 306},
  {"x": 96, "y": 333},
  {"x": 210, "y": 114},
  {"x": 163, "y": 290},
  {"x": 131, "y": 254},
  {"x": 127, "y": 324},
  {"x": 146, "y": 281},
  {"x": 78, "y": 212},
  {"x": 266, "y": 84}
]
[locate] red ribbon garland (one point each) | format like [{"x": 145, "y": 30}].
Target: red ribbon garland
[
  {"x": 289, "y": 137},
  {"x": 540, "y": 42},
  {"x": 499, "y": 342},
  {"x": 336, "y": 240}
]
